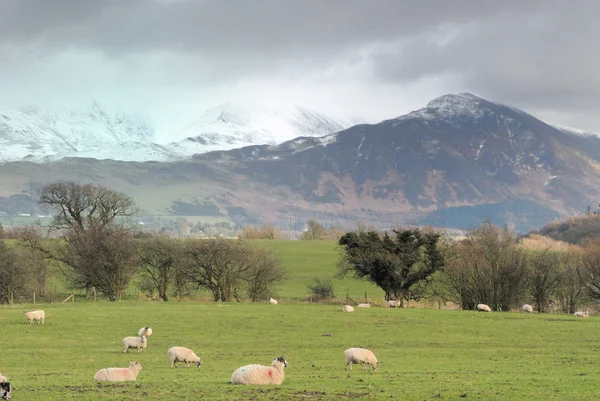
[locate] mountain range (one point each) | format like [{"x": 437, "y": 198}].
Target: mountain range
[
  {"x": 41, "y": 134},
  {"x": 453, "y": 163}
]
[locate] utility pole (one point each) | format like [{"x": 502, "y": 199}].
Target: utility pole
[{"x": 291, "y": 216}]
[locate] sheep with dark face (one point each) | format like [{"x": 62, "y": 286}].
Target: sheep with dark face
[
  {"x": 135, "y": 342},
  {"x": 145, "y": 331},
  {"x": 259, "y": 374},
  {"x": 5, "y": 390}
]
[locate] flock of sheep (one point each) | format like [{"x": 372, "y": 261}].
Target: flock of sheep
[{"x": 249, "y": 374}]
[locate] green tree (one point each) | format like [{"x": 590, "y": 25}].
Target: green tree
[{"x": 393, "y": 262}]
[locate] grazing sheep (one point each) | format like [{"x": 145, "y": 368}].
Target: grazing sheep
[
  {"x": 393, "y": 304},
  {"x": 348, "y": 308},
  {"x": 119, "y": 374},
  {"x": 5, "y": 390},
  {"x": 527, "y": 308},
  {"x": 259, "y": 374},
  {"x": 145, "y": 331},
  {"x": 582, "y": 314},
  {"x": 3, "y": 378},
  {"x": 185, "y": 355},
  {"x": 272, "y": 301},
  {"x": 363, "y": 305},
  {"x": 483, "y": 308},
  {"x": 134, "y": 342},
  {"x": 38, "y": 315},
  {"x": 362, "y": 356}
]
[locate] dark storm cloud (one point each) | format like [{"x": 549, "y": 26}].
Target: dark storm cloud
[
  {"x": 218, "y": 26},
  {"x": 537, "y": 55}
]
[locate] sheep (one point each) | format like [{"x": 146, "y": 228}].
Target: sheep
[
  {"x": 348, "y": 308},
  {"x": 5, "y": 390},
  {"x": 259, "y": 374},
  {"x": 3, "y": 378},
  {"x": 119, "y": 374},
  {"x": 483, "y": 308},
  {"x": 134, "y": 342},
  {"x": 272, "y": 301},
  {"x": 182, "y": 354},
  {"x": 362, "y": 356},
  {"x": 527, "y": 308},
  {"x": 145, "y": 331},
  {"x": 38, "y": 315},
  {"x": 393, "y": 304},
  {"x": 363, "y": 305},
  {"x": 582, "y": 314}
]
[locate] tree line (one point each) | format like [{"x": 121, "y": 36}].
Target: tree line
[{"x": 97, "y": 253}]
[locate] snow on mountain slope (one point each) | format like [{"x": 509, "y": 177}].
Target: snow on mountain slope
[
  {"x": 572, "y": 131},
  {"x": 39, "y": 134},
  {"x": 229, "y": 126}
]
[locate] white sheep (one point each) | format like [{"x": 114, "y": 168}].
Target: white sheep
[
  {"x": 135, "y": 342},
  {"x": 38, "y": 315},
  {"x": 363, "y": 305},
  {"x": 348, "y": 308},
  {"x": 582, "y": 314},
  {"x": 362, "y": 356},
  {"x": 145, "y": 331},
  {"x": 527, "y": 308},
  {"x": 259, "y": 374},
  {"x": 393, "y": 304},
  {"x": 483, "y": 308},
  {"x": 3, "y": 378},
  {"x": 119, "y": 374},
  {"x": 182, "y": 354},
  {"x": 272, "y": 301}
]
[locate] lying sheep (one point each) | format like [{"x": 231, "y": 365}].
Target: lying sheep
[
  {"x": 38, "y": 315},
  {"x": 5, "y": 390},
  {"x": 259, "y": 374},
  {"x": 145, "y": 331},
  {"x": 363, "y": 305},
  {"x": 393, "y": 304},
  {"x": 362, "y": 356},
  {"x": 483, "y": 308},
  {"x": 582, "y": 314},
  {"x": 348, "y": 308},
  {"x": 272, "y": 301},
  {"x": 182, "y": 354},
  {"x": 119, "y": 374},
  {"x": 3, "y": 378},
  {"x": 527, "y": 308},
  {"x": 135, "y": 342}
]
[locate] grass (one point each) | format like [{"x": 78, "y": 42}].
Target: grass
[{"x": 425, "y": 354}]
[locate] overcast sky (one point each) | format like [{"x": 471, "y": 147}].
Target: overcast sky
[{"x": 375, "y": 59}]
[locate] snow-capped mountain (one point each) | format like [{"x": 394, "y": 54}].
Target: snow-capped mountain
[
  {"x": 229, "y": 126},
  {"x": 40, "y": 134}
]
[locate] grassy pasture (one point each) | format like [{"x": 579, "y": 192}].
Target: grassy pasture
[{"x": 425, "y": 354}]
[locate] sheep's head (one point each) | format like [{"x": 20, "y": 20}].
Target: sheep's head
[
  {"x": 136, "y": 364},
  {"x": 199, "y": 363},
  {"x": 282, "y": 360}
]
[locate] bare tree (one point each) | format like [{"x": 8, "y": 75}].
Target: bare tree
[
  {"x": 13, "y": 274},
  {"x": 160, "y": 259},
  {"x": 314, "y": 231},
  {"x": 264, "y": 274},
  {"x": 590, "y": 268},
  {"x": 543, "y": 276},
  {"x": 229, "y": 267},
  {"x": 570, "y": 287},
  {"x": 489, "y": 268},
  {"x": 98, "y": 252}
]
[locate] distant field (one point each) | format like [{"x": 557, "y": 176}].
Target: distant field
[{"x": 425, "y": 354}]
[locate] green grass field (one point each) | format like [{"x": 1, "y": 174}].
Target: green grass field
[{"x": 424, "y": 354}]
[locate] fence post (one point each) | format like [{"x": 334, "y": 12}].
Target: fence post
[
  {"x": 11, "y": 298},
  {"x": 72, "y": 297},
  {"x": 310, "y": 298},
  {"x": 366, "y": 300},
  {"x": 347, "y": 297},
  {"x": 34, "y": 297},
  {"x": 94, "y": 294}
]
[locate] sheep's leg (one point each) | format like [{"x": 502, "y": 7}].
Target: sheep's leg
[
  {"x": 348, "y": 364},
  {"x": 364, "y": 366}
]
